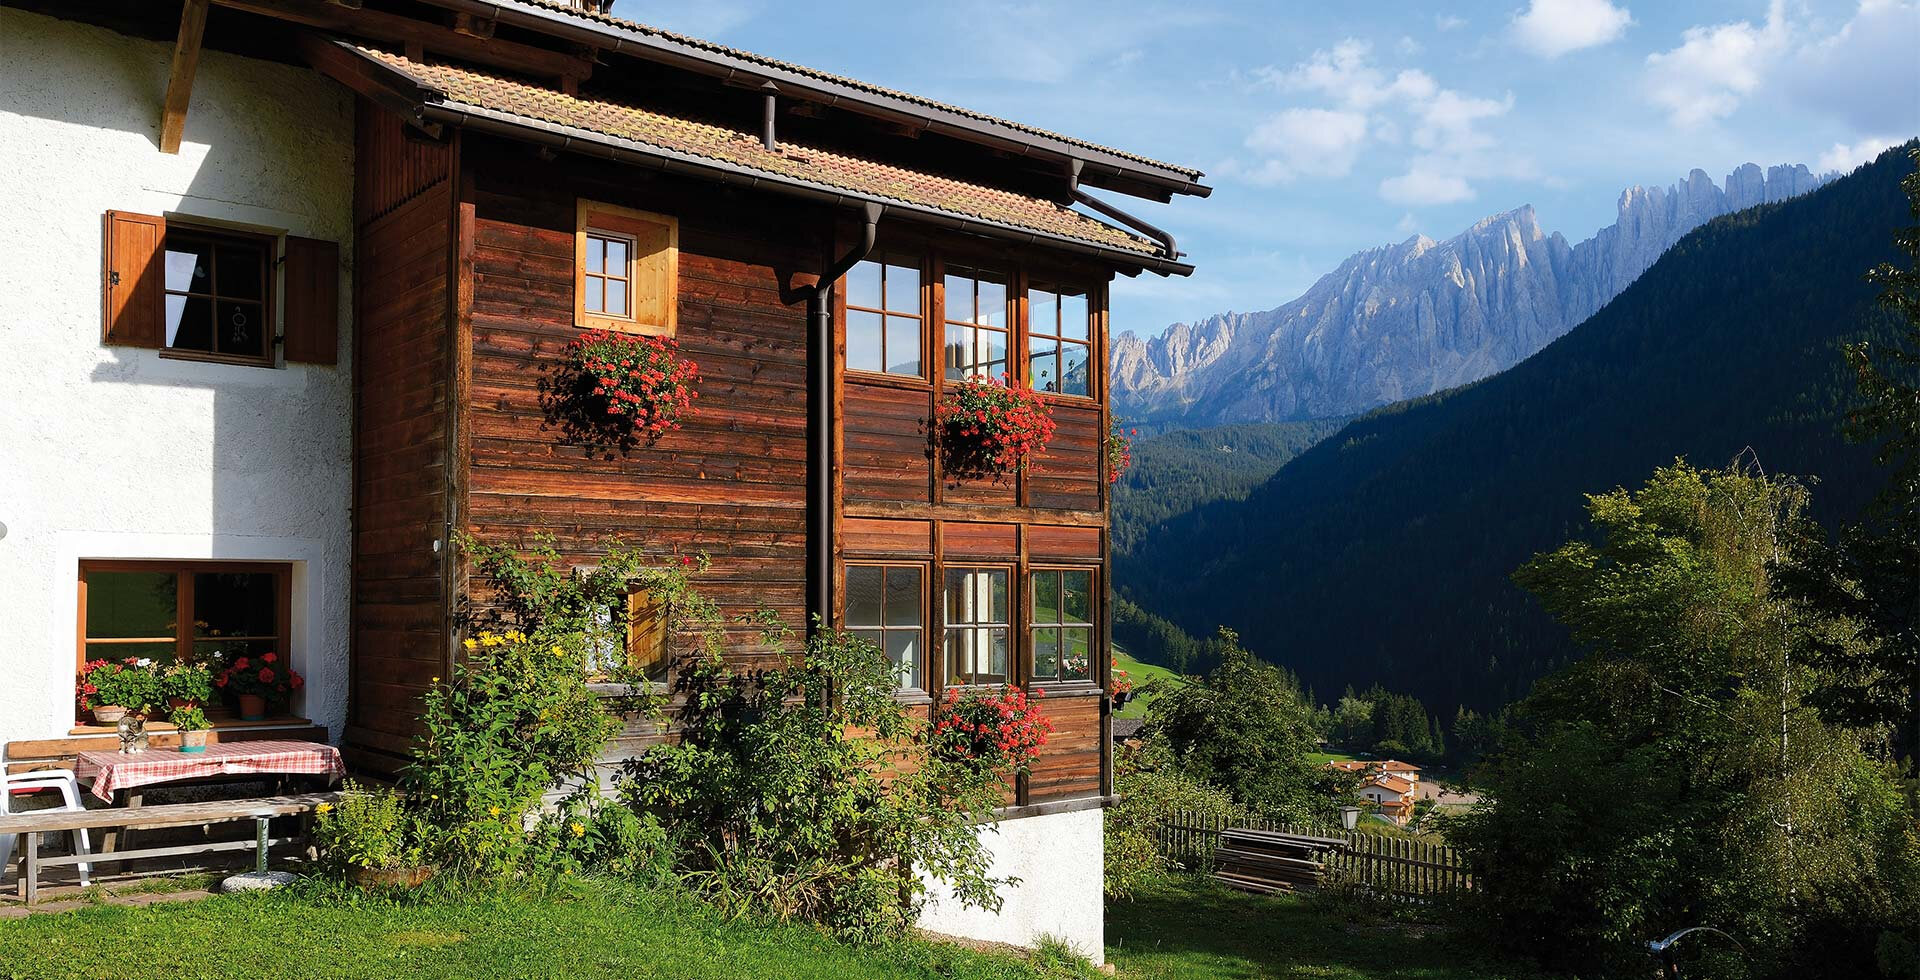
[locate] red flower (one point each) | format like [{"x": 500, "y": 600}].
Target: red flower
[
  {"x": 266, "y": 675},
  {"x": 240, "y": 664},
  {"x": 269, "y": 657}
]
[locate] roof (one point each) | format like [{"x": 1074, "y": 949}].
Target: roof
[
  {"x": 641, "y": 40},
  {"x": 1392, "y": 784},
  {"x": 1362, "y": 765},
  {"x": 464, "y": 89}
]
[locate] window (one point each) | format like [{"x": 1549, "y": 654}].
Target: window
[
  {"x": 1058, "y": 341},
  {"x": 133, "y": 609},
  {"x": 1062, "y": 625},
  {"x": 626, "y": 269},
  {"x": 977, "y": 630},
  {"x": 631, "y": 635},
  {"x": 217, "y": 294},
  {"x": 883, "y": 317},
  {"x": 884, "y": 608},
  {"x": 976, "y": 323}
]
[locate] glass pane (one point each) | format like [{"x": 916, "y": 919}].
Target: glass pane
[
  {"x": 998, "y": 591},
  {"x": 998, "y": 664},
  {"x": 863, "y": 285},
  {"x": 235, "y": 604},
  {"x": 130, "y": 604},
  {"x": 238, "y": 270},
  {"x": 242, "y": 330},
  {"x": 863, "y": 341},
  {"x": 863, "y": 596},
  {"x": 617, "y": 257},
  {"x": 1076, "y": 659},
  {"x": 1046, "y": 597},
  {"x": 1043, "y": 311},
  {"x": 1079, "y": 596},
  {"x": 596, "y": 254},
  {"x": 903, "y": 649},
  {"x": 593, "y": 294},
  {"x": 903, "y": 597},
  {"x": 993, "y": 304},
  {"x": 903, "y": 345},
  {"x": 992, "y": 351},
  {"x": 229, "y": 649},
  {"x": 189, "y": 265},
  {"x": 903, "y": 289},
  {"x": 875, "y": 637},
  {"x": 190, "y": 323},
  {"x": 1074, "y": 375},
  {"x": 130, "y": 651},
  {"x": 958, "y": 663},
  {"x": 1073, "y": 316},
  {"x": 1043, "y": 371},
  {"x": 959, "y": 353},
  {"x": 616, "y": 298},
  {"x": 1046, "y": 654},
  {"x": 959, "y": 298}
]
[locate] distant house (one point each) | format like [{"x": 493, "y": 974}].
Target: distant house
[
  {"x": 1391, "y": 786},
  {"x": 1389, "y": 767}
]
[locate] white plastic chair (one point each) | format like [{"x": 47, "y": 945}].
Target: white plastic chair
[{"x": 43, "y": 779}]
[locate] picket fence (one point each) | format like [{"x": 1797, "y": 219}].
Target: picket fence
[{"x": 1397, "y": 869}]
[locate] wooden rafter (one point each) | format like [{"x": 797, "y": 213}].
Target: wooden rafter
[
  {"x": 186, "y": 60},
  {"x": 419, "y": 35}
]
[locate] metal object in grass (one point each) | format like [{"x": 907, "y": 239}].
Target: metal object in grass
[{"x": 1664, "y": 948}]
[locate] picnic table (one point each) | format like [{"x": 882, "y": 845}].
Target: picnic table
[{"x": 113, "y": 772}]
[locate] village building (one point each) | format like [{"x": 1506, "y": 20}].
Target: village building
[
  {"x": 1392, "y": 787},
  {"x": 289, "y": 275}
]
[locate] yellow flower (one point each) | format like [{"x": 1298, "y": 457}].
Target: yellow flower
[
  {"x": 557, "y": 651},
  {"x": 579, "y": 829},
  {"x": 436, "y": 680},
  {"x": 493, "y": 811},
  {"x": 324, "y": 807},
  {"x": 471, "y": 643}
]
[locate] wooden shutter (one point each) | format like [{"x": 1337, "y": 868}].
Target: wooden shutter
[
  {"x": 312, "y": 298},
  {"x": 646, "y": 631},
  {"x": 135, "y": 281}
]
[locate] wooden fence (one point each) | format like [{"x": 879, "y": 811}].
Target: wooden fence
[{"x": 1394, "y": 868}]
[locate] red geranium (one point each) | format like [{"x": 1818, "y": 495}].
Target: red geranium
[
  {"x": 639, "y": 385},
  {"x": 1001, "y": 730},
  {"x": 987, "y": 428},
  {"x": 1119, "y": 449},
  {"x": 242, "y": 677}
]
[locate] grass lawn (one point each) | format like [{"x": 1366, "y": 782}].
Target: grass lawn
[
  {"x": 1140, "y": 673},
  {"x": 1197, "y": 930},
  {"x": 1322, "y": 758},
  {"x": 591, "y": 929}
]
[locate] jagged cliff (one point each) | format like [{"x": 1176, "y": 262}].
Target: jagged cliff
[{"x": 1421, "y": 316}]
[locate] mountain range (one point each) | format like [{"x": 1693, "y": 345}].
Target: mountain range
[
  {"x": 1411, "y": 319},
  {"x": 1382, "y": 554}
]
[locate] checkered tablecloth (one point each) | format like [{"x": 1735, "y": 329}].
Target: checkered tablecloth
[{"x": 113, "y": 771}]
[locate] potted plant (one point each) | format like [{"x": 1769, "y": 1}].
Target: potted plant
[
  {"x": 998, "y": 730},
  {"x": 258, "y": 684},
  {"x": 988, "y": 428},
  {"x": 186, "y": 684},
  {"x": 112, "y": 689},
  {"x": 1119, "y": 446},
  {"x": 617, "y": 390},
  {"x": 192, "y": 725},
  {"x": 371, "y": 837},
  {"x": 1121, "y": 686}
]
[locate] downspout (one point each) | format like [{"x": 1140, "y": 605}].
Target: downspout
[
  {"x": 770, "y": 108},
  {"x": 1167, "y": 247},
  {"x": 821, "y": 423}
]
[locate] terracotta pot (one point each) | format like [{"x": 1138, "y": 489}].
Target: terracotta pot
[
  {"x": 253, "y": 707},
  {"x": 193, "y": 741},
  {"x": 109, "y": 714},
  {"x": 412, "y": 877}
]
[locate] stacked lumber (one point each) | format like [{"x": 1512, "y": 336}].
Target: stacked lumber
[{"x": 1269, "y": 861}]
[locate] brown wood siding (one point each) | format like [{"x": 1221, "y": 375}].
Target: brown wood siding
[
  {"x": 1069, "y": 764},
  {"x": 884, "y": 455},
  {"x": 1067, "y": 476},
  {"x": 732, "y": 482},
  {"x": 402, "y": 387}
]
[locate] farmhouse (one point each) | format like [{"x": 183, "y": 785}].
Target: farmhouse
[{"x": 292, "y": 280}]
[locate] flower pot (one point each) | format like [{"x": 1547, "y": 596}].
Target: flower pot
[
  {"x": 109, "y": 714},
  {"x": 193, "y": 741},
  {"x": 253, "y": 707},
  {"x": 412, "y": 877}
]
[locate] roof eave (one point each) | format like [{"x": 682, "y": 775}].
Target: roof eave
[{"x": 1102, "y": 169}]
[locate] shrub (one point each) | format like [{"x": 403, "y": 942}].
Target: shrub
[
  {"x": 369, "y": 828},
  {"x": 1150, "y": 787},
  {"x": 988, "y": 428},
  {"x": 808, "y": 791}
]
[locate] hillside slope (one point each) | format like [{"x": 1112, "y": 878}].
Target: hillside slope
[{"x": 1383, "y": 553}]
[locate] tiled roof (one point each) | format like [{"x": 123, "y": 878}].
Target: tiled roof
[
  {"x": 608, "y": 20},
  {"x": 678, "y": 134}
]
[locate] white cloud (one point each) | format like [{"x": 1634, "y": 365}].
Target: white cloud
[
  {"x": 1551, "y": 28},
  {"x": 1715, "y": 68},
  {"x": 1420, "y": 186},
  {"x": 1307, "y": 142},
  {"x": 1449, "y": 22},
  {"x": 1407, "y": 225},
  {"x": 1844, "y": 157},
  {"x": 1866, "y": 73}
]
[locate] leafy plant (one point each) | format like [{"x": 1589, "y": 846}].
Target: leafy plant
[
  {"x": 187, "y": 681},
  {"x": 130, "y": 684},
  {"x": 989, "y": 428},
  {"x": 370, "y": 828},
  {"x": 1119, "y": 447},
  {"x": 264, "y": 675},
  {"x": 1150, "y": 786},
  {"x": 189, "y": 720},
  {"x": 1000, "y": 730},
  {"x": 616, "y": 390}
]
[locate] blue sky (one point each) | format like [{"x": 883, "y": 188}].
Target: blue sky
[{"x": 1327, "y": 128}]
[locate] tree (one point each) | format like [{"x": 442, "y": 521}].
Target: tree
[
  {"x": 1870, "y": 574},
  {"x": 1676, "y": 776},
  {"x": 1245, "y": 728}
]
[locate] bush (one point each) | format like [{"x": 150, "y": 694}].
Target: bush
[
  {"x": 369, "y": 828},
  {"x": 1150, "y": 787},
  {"x": 808, "y": 791}
]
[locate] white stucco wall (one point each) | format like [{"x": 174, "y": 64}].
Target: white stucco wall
[
  {"x": 1058, "y": 860},
  {"x": 114, "y": 452}
]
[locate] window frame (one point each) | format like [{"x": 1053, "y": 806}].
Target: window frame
[
  {"x": 1011, "y": 624},
  {"x": 923, "y": 315},
  {"x": 1032, "y": 625},
  {"x": 1012, "y": 333},
  {"x": 925, "y": 628},
  {"x": 1058, "y": 338},
  {"x": 662, "y": 267},
  {"x": 270, "y": 261}
]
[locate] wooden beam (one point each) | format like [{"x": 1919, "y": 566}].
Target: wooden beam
[
  {"x": 394, "y": 29},
  {"x": 471, "y": 26},
  {"x": 186, "y": 60}
]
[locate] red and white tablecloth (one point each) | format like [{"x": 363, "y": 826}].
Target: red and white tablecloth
[{"x": 113, "y": 771}]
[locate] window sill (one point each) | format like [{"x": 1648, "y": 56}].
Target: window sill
[
  {"x": 916, "y": 382},
  {"x": 206, "y": 357},
  {"x": 218, "y": 725},
  {"x": 1069, "y": 689}
]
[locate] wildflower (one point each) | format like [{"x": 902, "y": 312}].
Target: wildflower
[
  {"x": 471, "y": 643},
  {"x": 579, "y": 829},
  {"x": 325, "y": 808}
]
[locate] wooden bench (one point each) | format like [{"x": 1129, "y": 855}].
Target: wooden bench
[{"x": 32, "y": 824}]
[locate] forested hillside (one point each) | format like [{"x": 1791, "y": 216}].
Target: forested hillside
[
  {"x": 1383, "y": 554},
  {"x": 1178, "y": 471}
]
